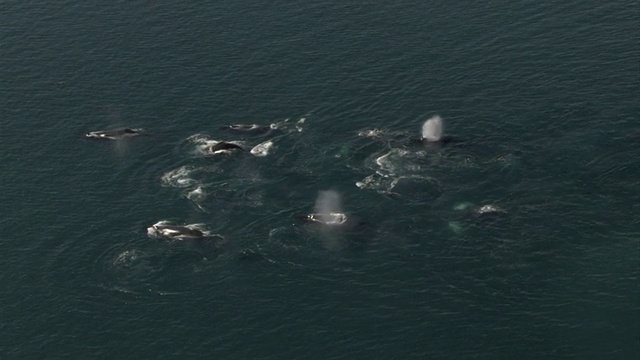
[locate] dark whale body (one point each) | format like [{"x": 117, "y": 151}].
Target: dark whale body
[
  {"x": 445, "y": 140},
  {"x": 223, "y": 145}
]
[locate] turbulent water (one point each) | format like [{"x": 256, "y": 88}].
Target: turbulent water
[{"x": 540, "y": 99}]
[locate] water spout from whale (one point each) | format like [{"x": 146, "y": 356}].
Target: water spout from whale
[
  {"x": 327, "y": 210},
  {"x": 432, "y": 129}
]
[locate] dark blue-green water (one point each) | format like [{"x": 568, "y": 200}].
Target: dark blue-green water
[{"x": 544, "y": 97}]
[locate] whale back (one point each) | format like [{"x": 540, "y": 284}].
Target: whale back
[
  {"x": 223, "y": 145},
  {"x": 432, "y": 129},
  {"x": 328, "y": 209}
]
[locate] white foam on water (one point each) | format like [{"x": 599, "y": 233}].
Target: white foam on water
[
  {"x": 300, "y": 123},
  {"x": 456, "y": 227},
  {"x": 180, "y": 177},
  {"x": 375, "y": 182},
  {"x": 196, "y": 195},
  {"x": 126, "y": 257},
  {"x": 369, "y": 182},
  {"x": 462, "y": 206},
  {"x": 387, "y": 184},
  {"x": 371, "y": 133},
  {"x": 392, "y": 162},
  {"x": 289, "y": 126}
]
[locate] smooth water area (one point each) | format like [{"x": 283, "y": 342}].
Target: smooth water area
[{"x": 541, "y": 98}]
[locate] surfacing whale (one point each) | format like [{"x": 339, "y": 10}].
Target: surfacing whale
[
  {"x": 113, "y": 134},
  {"x": 262, "y": 149},
  {"x": 432, "y": 132},
  {"x": 335, "y": 222},
  {"x": 483, "y": 213},
  {"x": 328, "y": 212},
  {"x": 432, "y": 129},
  {"x": 224, "y": 147},
  {"x": 331, "y": 219},
  {"x": 472, "y": 215},
  {"x": 166, "y": 229},
  {"x": 249, "y": 128},
  {"x": 488, "y": 211}
]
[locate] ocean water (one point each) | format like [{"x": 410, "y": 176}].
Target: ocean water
[{"x": 541, "y": 98}]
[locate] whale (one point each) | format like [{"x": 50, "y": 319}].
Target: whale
[
  {"x": 432, "y": 129},
  {"x": 113, "y": 134},
  {"x": 431, "y": 135},
  {"x": 328, "y": 213},
  {"x": 432, "y": 132},
  {"x": 486, "y": 213},
  {"x": 479, "y": 216},
  {"x": 224, "y": 147},
  {"x": 327, "y": 210},
  {"x": 330, "y": 219},
  {"x": 165, "y": 229},
  {"x": 333, "y": 222},
  {"x": 262, "y": 149},
  {"x": 345, "y": 228},
  {"x": 253, "y": 129}
]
